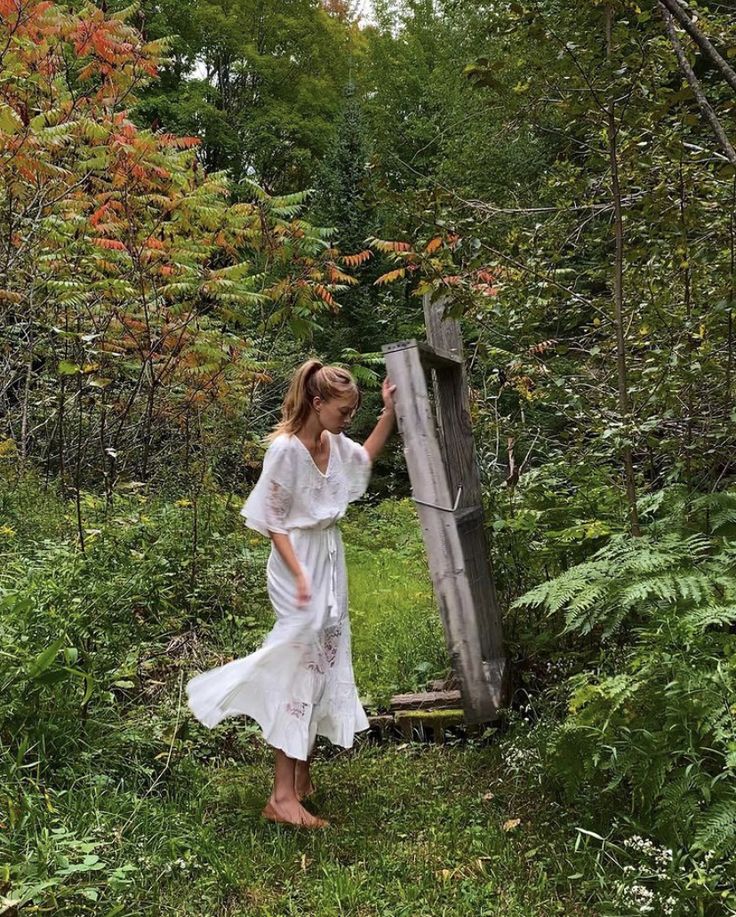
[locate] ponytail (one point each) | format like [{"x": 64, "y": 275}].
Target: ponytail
[{"x": 312, "y": 378}]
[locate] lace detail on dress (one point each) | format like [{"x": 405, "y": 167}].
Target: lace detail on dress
[
  {"x": 296, "y": 708},
  {"x": 322, "y": 657},
  {"x": 330, "y": 640},
  {"x": 278, "y": 501}
]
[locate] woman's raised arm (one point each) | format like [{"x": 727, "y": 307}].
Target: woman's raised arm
[{"x": 385, "y": 423}]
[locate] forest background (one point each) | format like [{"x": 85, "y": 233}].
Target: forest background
[{"x": 196, "y": 195}]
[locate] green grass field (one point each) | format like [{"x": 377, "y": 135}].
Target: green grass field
[
  {"x": 126, "y": 806},
  {"x": 417, "y": 831},
  {"x": 398, "y": 644}
]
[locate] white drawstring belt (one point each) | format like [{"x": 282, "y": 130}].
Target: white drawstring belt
[{"x": 333, "y": 610}]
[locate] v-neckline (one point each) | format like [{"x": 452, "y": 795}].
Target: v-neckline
[{"x": 326, "y": 472}]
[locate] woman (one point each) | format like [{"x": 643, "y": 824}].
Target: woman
[{"x": 300, "y": 683}]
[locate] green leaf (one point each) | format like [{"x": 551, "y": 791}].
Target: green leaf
[
  {"x": 89, "y": 682},
  {"x": 44, "y": 659},
  {"x": 10, "y": 122}
]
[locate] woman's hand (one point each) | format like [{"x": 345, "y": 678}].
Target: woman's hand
[
  {"x": 387, "y": 392},
  {"x": 303, "y": 588}
]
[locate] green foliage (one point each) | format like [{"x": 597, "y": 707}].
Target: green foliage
[
  {"x": 133, "y": 285},
  {"x": 654, "y": 722},
  {"x": 89, "y": 642},
  {"x": 346, "y": 199},
  {"x": 145, "y": 315},
  {"x": 259, "y": 82},
  {"x": 121, "y": 803}
]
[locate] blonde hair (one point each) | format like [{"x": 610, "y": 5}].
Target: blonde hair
[{"x": 310, "y": 379}]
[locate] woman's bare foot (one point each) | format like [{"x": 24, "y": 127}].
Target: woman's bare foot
[
  {"x": 305, "y": 793},
  {"x": 291, "y": 812},
  {"x": 303, "y": 785}
]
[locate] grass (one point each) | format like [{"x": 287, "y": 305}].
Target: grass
[
  {"x": 128, "y": 807},
  {"x": 398, "y": 643},
  {"x": 417, "y": 831}
]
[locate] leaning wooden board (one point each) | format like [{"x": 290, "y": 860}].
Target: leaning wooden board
[{"x": 446, "y": 490}]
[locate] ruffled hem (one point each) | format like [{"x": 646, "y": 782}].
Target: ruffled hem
[
  {"x": 290, "y": 711},
  {"x": 294, "y": 735},
  {"x": 341, "y": 729}
]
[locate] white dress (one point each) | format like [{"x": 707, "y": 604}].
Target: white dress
[{"x": 300, "y": 682}]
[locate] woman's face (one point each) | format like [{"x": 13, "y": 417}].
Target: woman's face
[{"x": 335, "y": 414}]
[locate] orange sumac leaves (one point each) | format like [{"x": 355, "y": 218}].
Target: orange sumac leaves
[
  {"x": 325, "y": 295},
  {"x": 115, "y": 244},
  {"x": 118, "y": 232},
  {"x": 388, "y": 247},
  {"x": 356, "y": 260},
  {"x": 543, "y": 346},
  {"x": 389, "y": 277}
]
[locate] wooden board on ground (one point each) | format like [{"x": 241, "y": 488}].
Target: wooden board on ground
[
  {"x": 427, "y": 699},
  {"x": 436, "y": 721}
]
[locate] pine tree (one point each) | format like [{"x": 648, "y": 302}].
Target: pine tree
[{"x": 344, "y": 200}]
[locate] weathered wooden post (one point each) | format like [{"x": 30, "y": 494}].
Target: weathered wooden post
[{"x": 440, "y": 458}]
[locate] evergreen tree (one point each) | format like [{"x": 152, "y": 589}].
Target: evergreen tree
[{"x": 345, "y": 201}]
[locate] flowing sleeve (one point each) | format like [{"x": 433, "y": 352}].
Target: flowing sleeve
[
  {"x": 356, "y": 465},
  {"x": 267, "y": 507}
]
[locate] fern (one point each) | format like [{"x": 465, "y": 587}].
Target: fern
[
  {"x": 700, "y": 619},
  {"x": 718, "y": 827},
  {"x": 677, "y": 805},
  {"x": 663, "y": 723}
]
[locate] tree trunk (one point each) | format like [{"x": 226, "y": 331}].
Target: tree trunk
[
  {"x": 24, "y": 409},
  {"x": 687, "y": 293},
  {"x": 731, "y": 292},
  {"x": 27, "y": 387},
  {"x": 618, "y": 296},
  {"x": 148, "y": 423},
  {"x": 705, "y": 107},
  {"x": 719, "y": 62},
  {"x": 78, "y": 467}
]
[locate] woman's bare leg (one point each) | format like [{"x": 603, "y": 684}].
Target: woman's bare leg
[
  {"x": 283, "y": 804},
  {"x": 303, "y": 778}
]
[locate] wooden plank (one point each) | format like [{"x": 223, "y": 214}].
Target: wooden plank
[
  {"x": 436, "y": 720},
  {"x": 438, "y": 358},
  {"x": 458, "y": 449},
  {"x": 468, "y": 513},
  {"x": 430, "y": 356},
  {"x": 416, "y": 424},
  {"x": 382, "y": 725},
  {"x": 381, "y": 720},
  {"x": 479, "y": 569},
  {"x": 444, "y": 548},
  {"x": 437, "y": 699},
  {"x": 442, "y": 333},
  {"x": 453, "y": 405},
  {"x": 450, "y": 717}
]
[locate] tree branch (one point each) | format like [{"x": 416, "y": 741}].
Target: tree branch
[
  {"x": 728, "y": 73},
  {"x": 705, "y": 106}
]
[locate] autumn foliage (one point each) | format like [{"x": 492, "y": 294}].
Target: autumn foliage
[{"x": 130, "y": 284}]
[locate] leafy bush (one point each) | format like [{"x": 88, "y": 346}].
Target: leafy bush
[
  {"x": 652, "y": 724},
  {"x": 94, "y": 649}
]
